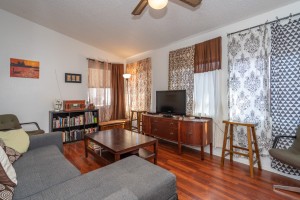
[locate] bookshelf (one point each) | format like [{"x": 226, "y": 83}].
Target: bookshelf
[{"x": 74, "y": 124}]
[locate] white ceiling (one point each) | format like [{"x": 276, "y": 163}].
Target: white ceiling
[{"x": 109, "y": 25}]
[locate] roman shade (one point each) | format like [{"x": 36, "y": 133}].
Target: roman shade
[{"x": 208, "y": 55}]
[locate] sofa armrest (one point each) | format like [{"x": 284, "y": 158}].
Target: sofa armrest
[
  {"x": 123, "y": 194},
  {"x": 54, "y": 138},
  {"x": 278, "y": 137}
]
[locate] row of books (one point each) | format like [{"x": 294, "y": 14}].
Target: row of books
[
  {"x": 77, "y": 134},
  {"x": 61, "y": 122},
  {"x": 91, "y": 117},
  {"x": 91, "y": 130}
]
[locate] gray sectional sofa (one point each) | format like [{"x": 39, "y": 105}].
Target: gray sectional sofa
[{"x": 44, "y": 173}]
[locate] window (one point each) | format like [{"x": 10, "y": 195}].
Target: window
[
  {"x": 99, "y": 84},
  {"x": 100, "y": 96}
]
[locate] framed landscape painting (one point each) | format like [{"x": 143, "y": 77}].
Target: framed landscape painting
[{"x": 24, "y": 68}]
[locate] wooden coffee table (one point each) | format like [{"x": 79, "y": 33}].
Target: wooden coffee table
[{"x": 118, "y": 143}]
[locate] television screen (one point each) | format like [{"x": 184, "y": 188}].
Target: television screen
[{"x": 171, "y": 102}]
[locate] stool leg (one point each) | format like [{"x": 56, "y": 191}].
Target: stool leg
[
  {"x": 250, "y": 151},
  {"x": 224, "y": 144},
  {"x": 131, "y": 119},
  {"x": 256, "y": 148},
  {"x": 231, "y": 142},
  {"x": 138, "y": 121}
]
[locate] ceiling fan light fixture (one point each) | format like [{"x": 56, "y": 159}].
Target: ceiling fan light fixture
[{"x": 157, "y": 4}]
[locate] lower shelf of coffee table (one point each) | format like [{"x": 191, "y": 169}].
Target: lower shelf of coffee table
[{"x": 108, "y": 157}]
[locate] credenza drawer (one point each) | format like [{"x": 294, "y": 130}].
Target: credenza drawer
[{"x": 165, "y": 128}]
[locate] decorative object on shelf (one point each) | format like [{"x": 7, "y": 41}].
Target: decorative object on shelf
[
  {"x": 91, "y": 106},
  {"x": 72, "y": 78},
  {"x": 57, "y": 105},
  {"x": 73, "y": 105},
  {"x": 24, "y": 68}
]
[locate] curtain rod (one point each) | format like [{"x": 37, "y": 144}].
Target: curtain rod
[
  {"x": 276, "y": 20},
  {"x": 95, "y": 60},
  {"x": 104, "y": 61}
]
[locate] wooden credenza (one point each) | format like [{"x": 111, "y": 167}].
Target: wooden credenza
[{"x": 183, "y": 130}]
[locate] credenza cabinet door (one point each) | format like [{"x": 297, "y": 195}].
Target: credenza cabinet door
[{"x": 191, "y": 133}]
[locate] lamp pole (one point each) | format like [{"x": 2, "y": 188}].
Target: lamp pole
[{"x": 126, "y": 77}]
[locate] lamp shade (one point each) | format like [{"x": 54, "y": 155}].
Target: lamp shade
[
  {"x": 157, "y": 4},
  {"x": 126, "y": 76}
]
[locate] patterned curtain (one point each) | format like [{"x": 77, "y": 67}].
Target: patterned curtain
[
  {"x": 249, "y": 95},
  {"x": 140, "y": 84},
  {"x": 285, "y": 86},
  {"x": 181, "y": 73}
]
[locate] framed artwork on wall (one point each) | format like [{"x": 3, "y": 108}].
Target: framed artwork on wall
[
  {"x": 72, "y": 78},
  {"x": 24, "y": 68}
]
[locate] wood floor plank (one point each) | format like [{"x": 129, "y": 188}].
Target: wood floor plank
[{"x": 202, "y": 179}]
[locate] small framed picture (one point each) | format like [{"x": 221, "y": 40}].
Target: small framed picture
[
  {"x": 68, "y": 78},
  {"x": 72, "y": 78}
]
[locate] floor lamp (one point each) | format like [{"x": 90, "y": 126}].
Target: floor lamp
[{"x": 126, "y": 77}]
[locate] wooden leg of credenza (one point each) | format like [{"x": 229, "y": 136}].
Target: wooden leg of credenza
[
  {"x": 179, "y": 148},
  {"x": 211, "y": 149},
  {"x": 202, "y": 152},
  {"x": 155, "y": 151}
]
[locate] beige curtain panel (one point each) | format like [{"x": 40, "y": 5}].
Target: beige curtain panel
[
  {"x": 208, "y": 55},
  {"x": 99, "y": 74},
  {"x": 100, "y": 87}
]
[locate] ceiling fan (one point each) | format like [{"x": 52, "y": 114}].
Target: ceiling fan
[{"x": 159, "y": 4}]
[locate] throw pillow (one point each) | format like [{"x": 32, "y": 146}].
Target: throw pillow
[
  {"x": 12, "y": 154},
  {"x": 6, "y": 192},
  {"x": 8, "y": 174},
  {"x": 17, "y": 139}
]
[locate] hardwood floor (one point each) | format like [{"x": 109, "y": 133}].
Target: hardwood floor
[{"x": 197, "y": 179}]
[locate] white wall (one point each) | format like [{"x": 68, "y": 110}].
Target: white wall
[
  {"x": 160, "y": 59},
  {"x": 31, "y": 99}
]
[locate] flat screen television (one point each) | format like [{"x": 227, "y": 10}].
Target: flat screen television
[{"x": 171, "y": 102}]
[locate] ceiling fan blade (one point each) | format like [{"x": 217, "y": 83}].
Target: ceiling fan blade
[
  {"x": 192, "y": 3},
  {"x": 140, "y": 7}
]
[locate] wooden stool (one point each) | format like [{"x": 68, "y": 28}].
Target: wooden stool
[
  {"x": 138, "y": 119},
  {"x": 251, "y": 140}
]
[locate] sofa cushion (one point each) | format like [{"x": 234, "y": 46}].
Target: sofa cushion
[
  {"x": 40, "y": 169},
  {"x": 7, "y": 172},
  {"x": 12, "y": 154},
  {"x": 17, "y": 139},
  {"x": 6, "y": 192},
  {"x": 142, "y": 178}
]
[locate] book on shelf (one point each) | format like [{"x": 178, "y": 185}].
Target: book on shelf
[
  {"x": 91, "y": 118},
  {"x": 91, "y": 130},
  {"x": 60, "y": 122},
  {"x": 73, "y": 135},
  {"x": 77, "y": 134}
]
